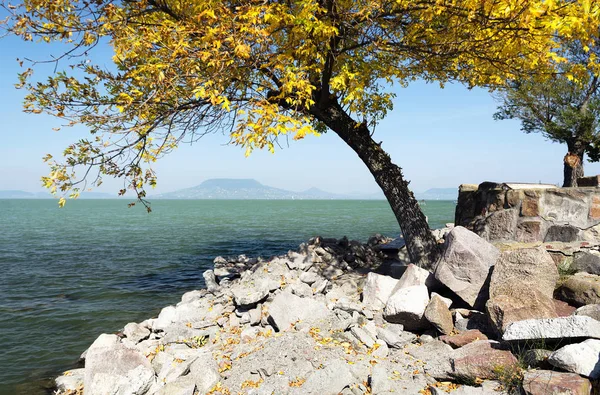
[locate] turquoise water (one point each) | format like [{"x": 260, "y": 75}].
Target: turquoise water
[{"x": 70, "y": 274}]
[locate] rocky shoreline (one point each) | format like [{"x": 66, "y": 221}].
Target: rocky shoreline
[{"x": 341, "y": 317}]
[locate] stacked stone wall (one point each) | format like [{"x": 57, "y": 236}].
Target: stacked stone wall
[{"x": 529, "y": 213}]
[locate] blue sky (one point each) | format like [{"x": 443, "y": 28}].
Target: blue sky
[{"x": 440, "y": 137}]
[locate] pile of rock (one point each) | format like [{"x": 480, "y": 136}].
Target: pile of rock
[{"x": 321, "y": 321}]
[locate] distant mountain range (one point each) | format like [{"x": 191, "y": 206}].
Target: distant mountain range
[
  {"x": 438, "y": 194},
  {"x": 230, "y": 188}
]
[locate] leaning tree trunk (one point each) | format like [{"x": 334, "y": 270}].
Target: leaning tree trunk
[
  {"x": 420, "y": 243},
  {"x": 573, "y": 164}
]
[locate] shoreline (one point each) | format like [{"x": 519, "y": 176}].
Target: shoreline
[{"x": 325, "y": 319}]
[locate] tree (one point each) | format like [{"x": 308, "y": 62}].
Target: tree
[
  {"x": 565, "y": 108},
  {"x": 267, "y": 69}
]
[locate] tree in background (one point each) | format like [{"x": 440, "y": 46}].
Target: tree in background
[
  {"x": 263, "y": 70},
  {"x": 565, "y": 108}
]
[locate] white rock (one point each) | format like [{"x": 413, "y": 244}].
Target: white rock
[
  {"x": 582, "y": 358},
  {"x": 553, "y": 328},
  {"x": 447, "y": 301},
  {"x": 246, "y": 295},
  {"x": 286, "y": 309},
  {"x": 407, "y": 307},
  {"x": 301, "y": 289},
  {"x": 309, "y": 277},
  {"x": 70, "y": 380},
  {"x": 135, "y": 332},
  {"x": 377, "y": 290},
  {"x": 329, "y": 381},
  {"x": 414, "y": 275},
  {"x": 166, "y": 317},
  {"x": 363, "y": 336}
]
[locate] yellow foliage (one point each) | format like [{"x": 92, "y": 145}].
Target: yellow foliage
[{"x": 265, "y": 70}]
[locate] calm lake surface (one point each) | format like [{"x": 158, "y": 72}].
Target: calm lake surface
[{"x": 68, "y": 275}]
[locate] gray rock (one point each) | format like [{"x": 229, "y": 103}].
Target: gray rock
[
  {"x": 71, "y": 380},
  {"x": 119, "y": 371},
  {"x": 248, "y": 295},
  {"x": 588, "y": 261},
  {"x": 377, "y": 290},
  {"x": 182, "y": 386},
  {"x": 211, "y": 281},
  {"x": 582, "y": 358},
  {"x": 562, "y": 233},
  {"x": 386, "y": 379},
  {"x": 536, "y": 358},
  {"x": 320, "y": 286},
  {"x": 205, "y": 372},
  {"x": 590, "y": 310},
  {"x": 309, "y": 277},
  {"x": 301, "y": 289},
  {"x": 363, "y": 336},
  {"x": 407, "y": 306},
  {"x": 580, "y": 289},
  {"x": 330, "y": 380},
  {"x": 435, "y": 356},
  {"x": 393, "y": 339},
  {"x": 553, "y": 328},
  {"x": 286, "y": 309},
  {"x": 466, "y": 264},
  {"x": 501, "y": 225},
  {"x": 135, "y": 332}
]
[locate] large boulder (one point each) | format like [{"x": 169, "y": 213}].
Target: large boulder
[
  {"x": 580, "y": 289},
  {"x": 287, "y": 308},
  {"x": 576, "y": 326},
  {"x": 407, "y": 307},
  {"x": 465, "y": 265},
  {"x": 548, "y": 382},
  {"x": 482, "y": 359},
  {"x": 582, "y": 358},
  {"x": 521, "y": 287},
  {"x": 377, "y": 290}
]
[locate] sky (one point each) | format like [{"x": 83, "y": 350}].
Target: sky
[{"x": 440, "y": 137}]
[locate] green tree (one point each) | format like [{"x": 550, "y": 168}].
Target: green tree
[
  {"x": 565, "y": 108},
  {"x": 263, "y": 69}
]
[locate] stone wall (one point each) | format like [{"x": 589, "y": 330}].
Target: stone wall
[{"x": 529, "y": 212}]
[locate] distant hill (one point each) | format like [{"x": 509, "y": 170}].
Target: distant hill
[
  {"x": 16, "y": 195},
  {"x": 438, "y": 194},
  {"x": 230, "y": 188}
]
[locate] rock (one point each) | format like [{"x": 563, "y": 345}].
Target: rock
[
  {"x": 309, "y": 277},
  {"x": 504, "y": 309},
  {"x": 438, "y": 314},
  {"x": 414, "y": 275},
  {"x": 205, "y": 372},
  {"x": 481, "y": 359},
  {"x": 582, "y": 358},
  {"x": 435, "y": 356},
  {"x": 377, "y": 290},
  {"x": 301, "y": 289},
  {"x": 588, "y": 261},
  {"x": 117, "y": 370},
  {"x": 380, "y": 349},
  {"x": 563, "y": 309},
  {"x": 521, "y": 287},
  {"x": 165, "y": 318},
  {"x": 477, "y": 321},
  {"x": 580, "y": 289},
  {"x": 407, "y": 306},
  {"x": 501, "y": 225},
  {"x": 211, "y": 281},
  {"x": 330, "y": 380},
  {"x": 447, "y": 301},
  {"x": 135, "y": 332},
  {"x": 590, "y": 310},
  {"x": 537, "y": 358},
  {"x": 248, "y": 295},
  {"x": 286, "y": 309},
  {"x": 363, "y": 336},
  {"x": 184, "y": 385},
  {"x": 394, "y": 339},
  {"x": 70, "y": 381},
  {"x": 562, "y": 233},
  {"x": 464, "y": 338},
  {"x": 386, "y": 379},
  {"x": 466, "y": 264},
  {"x": 547, "y": 382},
  {"x": 553, "y": 328}
]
